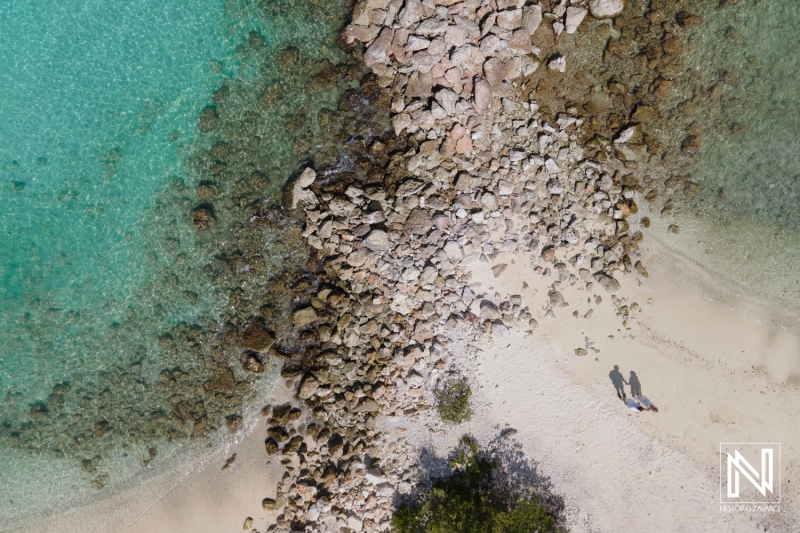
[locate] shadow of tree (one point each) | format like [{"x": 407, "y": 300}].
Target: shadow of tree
[{"x": 513, "y": 472}]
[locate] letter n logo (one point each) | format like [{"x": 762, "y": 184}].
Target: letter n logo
[{"x": 750, "y": 472}]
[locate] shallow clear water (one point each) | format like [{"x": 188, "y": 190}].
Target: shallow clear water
[
  {"x": 110, "y": 299},
  {"x": 745, "y": 224}
]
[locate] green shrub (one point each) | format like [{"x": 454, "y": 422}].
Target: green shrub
[
  {"x": 471, "y": 501},
  {"x": 453, "y": 399}
]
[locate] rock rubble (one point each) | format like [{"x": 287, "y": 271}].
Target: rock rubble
[{"x": 485, "y": 172}]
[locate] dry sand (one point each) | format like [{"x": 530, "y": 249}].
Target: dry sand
[{"x": 717, "y": 370}]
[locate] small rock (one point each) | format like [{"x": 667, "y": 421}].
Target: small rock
[
  {"x": 531, "y": 18},
  {"x": 483, "y": 95},
  {"x": 489, "y": 310},
  {"x": 630, "y": 135},
  {"x": 603, "y": 9},
  {"x": 580, "y": 352},
  {"x": 303, "y": 317},
  {"x": 575, "y": 16},
  {"x": 499, "y": 269},
  {"x": 510, "y": 19},
  {"x": 308, "y": 388},
  {"x": 377, "y": 241},
  {"x": 453, "y": 251},
  {"x": 556, "y": 299},
  {"x": 411, "y": 13},
  {"x": 607, "y": 282},
  {"x": 306, "y": 491},
  {"x": 558, "y": 63},
  {"x": 271, "y": 445},
  {"x": 268, "y": 504},
  {"x": 248, "y": 523},
  {"x": 419, "y": 222}
]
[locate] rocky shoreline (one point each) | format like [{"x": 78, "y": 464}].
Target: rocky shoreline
[{"x": 476, "y": 168}]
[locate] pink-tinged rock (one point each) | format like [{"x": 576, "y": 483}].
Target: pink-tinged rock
[
  {"x": 431, "y": 27},
  {"x": 411, "y": 13},
  {"x": 378, "y": 51},
  {"x": 531, "y": 18},
  {"x": 415, "y": 44},
  {"x": 437, "y": 47},
  {"x": 460, "y": 57},
  {"x": 401, "y": 37},
  {"x": 488, "y": 23},
  {"x": 419, "y": 85},
  {"x": 510, "y": 19},
  {"x": 489, "y": 44},
  {"x": 423, "y": 61},
  {"x": 455, "y": 36},
  {"x": 453, "y": 75},
  {"x": 362, "y": 33},
  {"x": 521, "y": 40},
  {"x": 575, "y": 16},
  {"x": 495, "y": 71},
  {"x": 464, "y": 145},
  {"x": 482, "y": 95}
]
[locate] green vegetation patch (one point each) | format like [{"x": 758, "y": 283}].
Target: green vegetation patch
[{"x": 453, "y": 401}]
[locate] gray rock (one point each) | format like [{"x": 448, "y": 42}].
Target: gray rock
[
  {"x": 490, "y": 202},
  {"x": 556, "y": 299},
  {"x": 378, "y": 51},
  {"x": 447, "y": 99},
  {"x": 607, "y": 282},
  {"x": 489, "y": 310},
  {"x": 499, "y": 269},
  {"x": 453, "y": 251},
  {"x": 419, "y": 222},
  {"x": 378, "y": 241},
  {"x": 531, "y": 18}
]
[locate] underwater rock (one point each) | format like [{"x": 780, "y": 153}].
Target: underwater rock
[
  {"x": 257, "y": 337},
  {"x": 233, "y": 423},
  {"x": 208, "y": 119},
  {"x": 203, "y": 218},
  {"x": 288, "y": 59},
  {"x": 252, "y": 362}
]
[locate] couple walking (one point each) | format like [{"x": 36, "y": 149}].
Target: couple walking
[{"x": 637, "y": 402}]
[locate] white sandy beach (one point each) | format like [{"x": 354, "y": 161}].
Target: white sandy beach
[{"x": 717, "y": 372}]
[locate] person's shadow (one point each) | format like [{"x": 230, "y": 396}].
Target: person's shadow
[
  {"x": 619, "y": 381},
  {"x": 636, "y": 387}
]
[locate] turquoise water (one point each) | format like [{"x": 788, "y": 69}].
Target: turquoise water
[
  {"x": 745, "y": 223},
  {"x": 112, "y": 304},
  {"x": 91, "y": 97}
]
